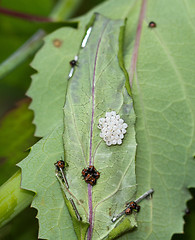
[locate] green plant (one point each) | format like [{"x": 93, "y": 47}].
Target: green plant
[{"x": 159, "y": 78}]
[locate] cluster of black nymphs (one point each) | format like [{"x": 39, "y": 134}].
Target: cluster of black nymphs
[
  {"x": 90, "y": 175},
  {"x": 132, "y": 206}
]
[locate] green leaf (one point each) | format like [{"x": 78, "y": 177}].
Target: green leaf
[
  {"x": 80, "y": 227},
  {"x": 16, "y": 136},
  {"x": 48, "y": 87},
  {"x": 54, "y": 218},
  {"x": 122, "y": 228},
  {"x": 98, "y": 86},
  {"x": 51, "y": 82},
  {"x": 163, "y": 93}
]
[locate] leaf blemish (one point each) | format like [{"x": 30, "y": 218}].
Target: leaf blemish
[{"x": 57, "y": 43}]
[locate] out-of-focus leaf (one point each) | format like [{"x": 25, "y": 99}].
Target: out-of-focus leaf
[
  {"x": 14, "y": 32},
  {"x": 16, "y": 136},
  {"x": 22, "y": 227},
  {"x": 64, "y": 9},
  {"x": 13, "y": 199}
]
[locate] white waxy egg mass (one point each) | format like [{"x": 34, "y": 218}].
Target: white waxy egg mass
[{"x": 112, "y": 128}]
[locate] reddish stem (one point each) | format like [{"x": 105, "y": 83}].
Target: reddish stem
[
  {"x": 24, "y": 16},
  {"x": 137, "y": 41},
  {"x": 90, "y": 229}
]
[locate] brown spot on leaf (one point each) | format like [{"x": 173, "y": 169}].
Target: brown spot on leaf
[
  {"x": 81, "y": 201},
  {"x": 57, "y": 43}
]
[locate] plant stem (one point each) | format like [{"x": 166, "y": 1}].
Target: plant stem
[
  {"x": 24, "y": 16},
  {"x": 24, "y": 52},
  {"x": 137, "y": 42},
  {"x": 146, "y": 194},
  {"x": 13, "y": 199}
]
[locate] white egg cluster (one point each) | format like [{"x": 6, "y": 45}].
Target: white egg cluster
[{"x": 112, "y": 128}]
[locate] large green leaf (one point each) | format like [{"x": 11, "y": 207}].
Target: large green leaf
[
  {"x": 163, "y": 91},
  {"x": 97, "y": 86}
]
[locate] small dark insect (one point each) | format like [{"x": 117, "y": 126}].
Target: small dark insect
[
  {"x": 84, "y": 172},
  {"x": 60, "y": 164},
  {"x": 133, "y": 205},
  {"x": 90, "y": 175},
  {"x": 73, "y": 63},
  {"x": 96, "y": 175},
  {"x": 128, "y": 211},
  {"x": 91, "y": 169},
  {"x": 152, "y": 25},
  {"x": 137, "y": 208},
  {"x": 89, "y": 179}
]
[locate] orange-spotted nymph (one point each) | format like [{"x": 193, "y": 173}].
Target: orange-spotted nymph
[{"x": 112, "y": 128}]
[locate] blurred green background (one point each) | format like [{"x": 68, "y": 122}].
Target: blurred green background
[{"x": 16, "y": 128}]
